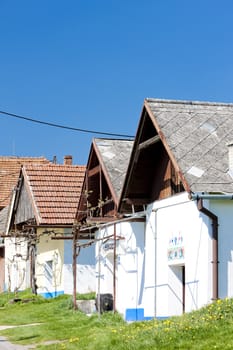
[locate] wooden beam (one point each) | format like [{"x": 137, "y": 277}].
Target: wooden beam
[
  {"x": 148, "y": 142},
  {"x": 94, "y": 171},
  {"x": 140, "y": 200},
  {"x": 100, "y": 219},
  {"x": 48, "y": 226},
  {"x": 61, "y": 237},
  {"x": 26, "y": 235}
]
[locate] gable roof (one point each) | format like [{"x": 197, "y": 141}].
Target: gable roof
[
  {"x": 9, "y": 173},
  {"x": 114, "y": 158},
  {"x": 106, "y": 169},
  {"x": 195, "y": 136},
  {"x": 54, "y": 191}
]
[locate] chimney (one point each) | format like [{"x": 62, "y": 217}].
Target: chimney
[
  {"x": 68, "y": 160},
  {"x": 230, "y": 158}
]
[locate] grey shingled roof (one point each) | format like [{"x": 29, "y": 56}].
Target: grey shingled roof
[
  {"x": 3, "y": 219},
  {"x": 115, "y": 156},
  {"x": 197, "y": 134}
]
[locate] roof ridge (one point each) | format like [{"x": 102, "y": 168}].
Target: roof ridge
[
  {"x": 188, "y": 102},
  {"x": 23, "y": 158},
  {"x": 113, "y": 139},
  {"x": 51, "y": 165}
]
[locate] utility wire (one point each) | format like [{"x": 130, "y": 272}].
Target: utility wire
[{"x": 64, "y": 126}]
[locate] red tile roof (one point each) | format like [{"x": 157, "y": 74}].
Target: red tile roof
[
  {"x": 55, "y": 190},
  {"x": 9, "y": 173}
]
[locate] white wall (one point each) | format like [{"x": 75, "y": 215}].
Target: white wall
[
  {"x": 16, "y": 264},
  {"x": 224, "y": 211},
  {"x": 178, "y": 217},
  {"x": 149, "y": 276},
  {"x": 49, "y": 266},
  {"x": 173, "y": 248},
  {"x": 129, "y": 264},
  {"x": 53, "y": 279},
  {"x": 85, "y": 275}
]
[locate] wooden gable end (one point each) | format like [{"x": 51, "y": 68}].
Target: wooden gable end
[
  {"x": 23, "y": 211},
  {"x": 96, "y": 199},
  {"x": 151, "y": 175}
]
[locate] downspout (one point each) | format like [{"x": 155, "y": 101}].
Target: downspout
[{"x": 215, "y": 261}]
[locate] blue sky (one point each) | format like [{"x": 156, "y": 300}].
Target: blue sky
[{"x": 89, "y": 64}]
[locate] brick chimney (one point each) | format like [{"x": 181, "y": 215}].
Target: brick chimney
[{"x": 68, "y": 160}]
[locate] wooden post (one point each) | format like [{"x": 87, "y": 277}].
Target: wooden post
[
  {"x": 74, "y": 269},
  {"x": 101, "y": 195}
]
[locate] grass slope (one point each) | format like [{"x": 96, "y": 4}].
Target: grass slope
[{"x": 208, "y": 328}]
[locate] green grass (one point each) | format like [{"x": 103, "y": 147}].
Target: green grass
[
  {"x": 87, "y": 296},
  {"x": 208, "y": 328}
]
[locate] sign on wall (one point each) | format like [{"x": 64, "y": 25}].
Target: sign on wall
[{"x": 175, "y": 251}]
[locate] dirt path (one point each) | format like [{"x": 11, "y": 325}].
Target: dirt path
[{"x": 6, "y": 345}]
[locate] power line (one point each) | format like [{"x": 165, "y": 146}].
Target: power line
[{"x": 64, "y": 126}]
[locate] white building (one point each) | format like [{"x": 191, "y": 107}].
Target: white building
[{"x": 180, "y": 180}]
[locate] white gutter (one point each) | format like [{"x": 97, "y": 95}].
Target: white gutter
[{"x": 203, "y": 195}]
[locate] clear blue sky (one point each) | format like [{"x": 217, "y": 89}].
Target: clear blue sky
[{"x": 90, "y": 63}]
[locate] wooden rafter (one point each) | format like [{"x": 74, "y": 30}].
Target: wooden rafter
[
  {"x": 148, "y": 142},
  {"x": 94, "y": 171}
]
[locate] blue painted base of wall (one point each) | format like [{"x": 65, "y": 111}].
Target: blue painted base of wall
[
  {"x": 48, "y": 295},
  {"x": 138, "y": 315}
]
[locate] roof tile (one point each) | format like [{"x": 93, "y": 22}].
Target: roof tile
[
  {"x": 56, "y": 190},
  {"x": 9, "y": 173}
]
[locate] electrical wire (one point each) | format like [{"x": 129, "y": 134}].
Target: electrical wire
[{"x": 64, "y": 126}]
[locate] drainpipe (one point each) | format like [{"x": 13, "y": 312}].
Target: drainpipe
[
  {"x": 202, "y": 195},
  {"x": 215, "y": 261}
]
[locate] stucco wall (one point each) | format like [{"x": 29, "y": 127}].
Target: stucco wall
[
  {"x": 224, "y": 211},
  {"x": 165, "y": 266},
  {"x": 85, "y": 276},
  {"x": 180, "y": 229},
  {"x": 49, "y": 265},
  {"x": 129, "y": 264},
  {"x": 54, "y": 274},
  {"x": 16, "y": 264}
]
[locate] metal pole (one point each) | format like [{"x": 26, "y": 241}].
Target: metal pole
[
  {"x": 99, "y": 271},
  {"x": 114, "y": 271}
]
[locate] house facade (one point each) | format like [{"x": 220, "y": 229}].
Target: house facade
[
  {"x": 9, "y": 174},
  {"x": 120, "y": 254},
  {"x": 40, "y": 231},
  {"x": 179, "y": 179},
  {"x": 97, "y": 211}
]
